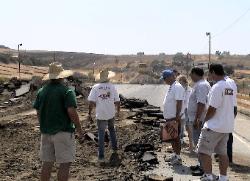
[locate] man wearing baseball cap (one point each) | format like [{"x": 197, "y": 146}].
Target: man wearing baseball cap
[{"x": 173, "y": 109}]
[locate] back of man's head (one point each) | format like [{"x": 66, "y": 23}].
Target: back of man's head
[
  {"x": 217, "y": 69},
  {"x": 197, "y": 71}
]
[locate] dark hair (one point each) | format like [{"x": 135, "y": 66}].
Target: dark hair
[
  {"x": 56, "y": 81},
  {"x": 198, "y": 71},
  {"x": 217, "y": 69},
  {"x": 176, "y": 72}
]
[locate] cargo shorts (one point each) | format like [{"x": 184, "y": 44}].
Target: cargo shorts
[
  {"x": 59, "y": 148},
  {"x": 212, "y": 142}
]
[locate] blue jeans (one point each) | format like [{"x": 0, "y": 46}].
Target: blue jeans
[{"x": 102, "y": 126}]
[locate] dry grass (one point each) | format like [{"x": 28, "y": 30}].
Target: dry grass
[
  {"x": 244, "y": 97},
  {"x": 243, "y": 72},
  {"x": 11, "y": 70}
]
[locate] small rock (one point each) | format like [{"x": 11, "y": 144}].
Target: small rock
[{"x": 155, "y": 177}]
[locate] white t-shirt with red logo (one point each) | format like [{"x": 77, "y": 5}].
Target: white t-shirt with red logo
[
  {"x": 104, "y": 95},
  {"x": 221, "y": 97}
]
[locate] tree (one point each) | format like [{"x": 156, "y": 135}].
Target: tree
[
  {"x": 178, "y": 59},
  {"x": 184, "y": 61},
  {"x": 226, "y": 53},
  {"x": 218, "y": 53}
]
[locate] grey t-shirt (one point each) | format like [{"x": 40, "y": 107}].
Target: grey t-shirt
[{"x": 198, "y": 95}]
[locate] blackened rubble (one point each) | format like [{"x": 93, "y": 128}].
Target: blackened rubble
[
  {"x": 130, "y": 103},
  {"x": 149, "y": 116}
]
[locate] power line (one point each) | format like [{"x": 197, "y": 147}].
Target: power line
[{"x": 232, "y": 24}]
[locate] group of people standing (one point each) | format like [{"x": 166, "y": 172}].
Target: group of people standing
[
  {"x": 58, "y": 119},
  {"x": 207, "y": 110},
  {"x": 207, "y": 113}
]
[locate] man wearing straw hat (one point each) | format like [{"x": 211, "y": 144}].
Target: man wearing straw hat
[
  {"x": 56, "y": 108},
  {"x": 105, "y": 98}
]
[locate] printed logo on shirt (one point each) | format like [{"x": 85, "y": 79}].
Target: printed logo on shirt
[
  {"x": 104, "y": 88},
  {"x": 229, "y": 92},
  {"x": 105, "y": 96}
]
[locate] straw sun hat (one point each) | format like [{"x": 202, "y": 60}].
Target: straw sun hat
[
  {"x": 104, "y": 76},
  {"x": 56, "y": 71}
]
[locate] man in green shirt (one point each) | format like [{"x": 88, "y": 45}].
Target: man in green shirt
[{"x": 56, "y": 109}]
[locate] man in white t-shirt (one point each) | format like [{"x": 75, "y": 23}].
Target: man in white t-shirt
[
  {"x": 105, "y": 98},
  {"x": 197, "y": 110},
  {"x": 182, "y": 79},
  {"x": 219, "y": 122},
  {"x": 172, "y": 106}
]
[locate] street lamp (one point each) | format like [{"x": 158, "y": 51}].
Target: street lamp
[
  {"x": 209, "y": 56},
  {"x": 19, "y": 62}
]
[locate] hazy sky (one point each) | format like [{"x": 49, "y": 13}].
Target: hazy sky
[{"x": 126, "y": 26}]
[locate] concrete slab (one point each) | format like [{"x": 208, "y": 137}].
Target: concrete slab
[{"x": 24, "y": 89}]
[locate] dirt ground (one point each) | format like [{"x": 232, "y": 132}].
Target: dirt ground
[{"x": 19, "y": 151}]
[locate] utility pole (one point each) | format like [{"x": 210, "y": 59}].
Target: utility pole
[
  {"x": 94, "y": 69},
  {"x": 209, "y": 41},
  {"x": 19, "y": 62}
]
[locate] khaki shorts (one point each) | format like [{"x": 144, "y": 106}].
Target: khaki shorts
[
  {"x": 59, "y": 148},
  {"x": 212, "y": 142}
]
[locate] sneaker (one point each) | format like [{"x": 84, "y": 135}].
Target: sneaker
[
  {"x": 198, "y": 172},
  {"x": 169, "y": 149},
  {"x": 196, "y": 167},
  {"x": 176, "y": 161},
  {"x": 218, "y": 178}
]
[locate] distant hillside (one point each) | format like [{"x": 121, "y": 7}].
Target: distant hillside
[
  {"x": 80, "y": 60},
  {"x": 4, "y": 47}
]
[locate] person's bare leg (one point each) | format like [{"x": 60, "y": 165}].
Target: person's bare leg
[
  {"x": 223, "y": 164},
  {"x": 190, "y": 138},
  {"x": 176, "y": 144},
  {"x": 63, "y": 173},
  {"x": 206, "y": 162},
  {"x": 46, "y": 171}
]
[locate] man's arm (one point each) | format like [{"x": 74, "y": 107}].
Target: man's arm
[
  {"x": 199, "y": 111},
  {"x": 235, "y": 111},
  {"x": 118, "y": 105},
  {"x": 91, "y": 107},
  {"x": 210, "y": 113},
  {"x": 178, "y": 110},
  {"x": 75, "y": 119}
]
